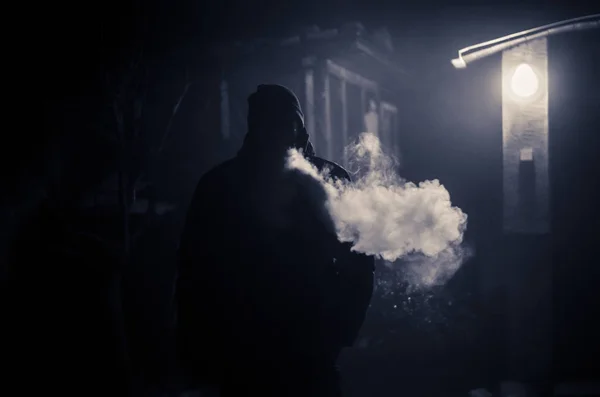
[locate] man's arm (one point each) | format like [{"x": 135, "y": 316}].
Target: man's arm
[
  {"x": 196, "y": 286},
  {"x": 199, "y": 244}
]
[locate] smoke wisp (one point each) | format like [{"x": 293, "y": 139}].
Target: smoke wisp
[{"x": 383, "y": 215}]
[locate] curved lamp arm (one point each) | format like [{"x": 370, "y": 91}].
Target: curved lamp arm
[{"x": 482, "y": 50}]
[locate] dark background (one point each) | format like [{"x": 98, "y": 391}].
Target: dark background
[{"x": 68, "y": 60}]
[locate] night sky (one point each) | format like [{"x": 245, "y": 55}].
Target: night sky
[
  {"x": 77, "y": 42},
  {"x": 93, "y": 33}
]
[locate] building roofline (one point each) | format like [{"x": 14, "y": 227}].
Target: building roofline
[
  {"x": 485, "y": 49},
  {"x": 351, "y": 38},
  {"x": 374, "y": 53}
]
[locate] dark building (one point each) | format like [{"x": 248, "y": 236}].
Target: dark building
[{"x": 343, "y": 78}]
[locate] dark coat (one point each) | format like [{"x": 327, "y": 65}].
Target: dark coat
[{"x": 261, "y": 274}]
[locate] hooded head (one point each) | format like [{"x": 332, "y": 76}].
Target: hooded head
[{"x": 275, "y": 121}]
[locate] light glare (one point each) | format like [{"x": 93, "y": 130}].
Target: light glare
[{"x": 524, "y": 82}]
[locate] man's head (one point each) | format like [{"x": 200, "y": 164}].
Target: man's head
[{"x": 275, "y": 119}]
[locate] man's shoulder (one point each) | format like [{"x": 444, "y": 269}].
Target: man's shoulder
[
  {"x": 217, "y": 178},
  {"x": 335, "y": 170},
  {"x": 219, "y": 171}
]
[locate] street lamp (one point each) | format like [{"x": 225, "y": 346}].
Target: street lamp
[{"x": 526, "y": 187}]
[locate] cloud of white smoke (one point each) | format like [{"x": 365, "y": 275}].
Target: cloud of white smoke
[{"x": 383, "y": 215}]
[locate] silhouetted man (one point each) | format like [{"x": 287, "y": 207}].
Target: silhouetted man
[{"x": 267, "y": 297}]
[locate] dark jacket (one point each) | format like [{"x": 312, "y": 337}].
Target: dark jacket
[{"x": 261, "y": 273}]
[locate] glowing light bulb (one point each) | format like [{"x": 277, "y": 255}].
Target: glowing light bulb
[{"x": 524, "y": 82}]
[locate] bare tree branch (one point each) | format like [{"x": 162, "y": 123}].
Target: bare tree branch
[
  {"x": 119, "y": 118},
  {"x": 172, "y": 118}
]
